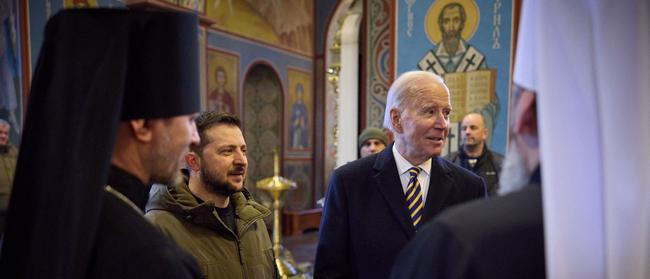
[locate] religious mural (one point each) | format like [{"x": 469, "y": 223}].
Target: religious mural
[
  {"x": 300, "y": 99},
  {"x": 378, "y": 50},
  {"x": 11, "y": 100},
  {"x": 262, "y": 124},
  {"x": 300, "y": 172},
  {"x": 287, "y": 24},
  {"x": 79, "y": 3},
  {"x": 197, "y": 5},
  {"x": 222, "y": 77},
  {"x": 468, "y": 43}
]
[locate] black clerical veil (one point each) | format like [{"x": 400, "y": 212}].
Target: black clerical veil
[{"x": 96, "y": 67}]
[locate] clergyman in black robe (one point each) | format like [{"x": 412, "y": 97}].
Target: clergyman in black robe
[{"x": 113, "y": 92}]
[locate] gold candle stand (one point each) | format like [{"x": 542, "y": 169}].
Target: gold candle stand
[{"x": 276, "y": 186}]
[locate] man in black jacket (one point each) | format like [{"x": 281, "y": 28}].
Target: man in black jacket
[
  {"x": 376, "y": 204},
  {"x": 474, "y": 154},
  {"x": 502, "y": 237}
]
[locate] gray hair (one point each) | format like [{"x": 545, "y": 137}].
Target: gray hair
[
  {"x": 4, "y": 123},
  {"x": 407, "y": 88}
]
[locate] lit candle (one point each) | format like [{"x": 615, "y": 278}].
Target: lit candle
[{"x": 276, "y": 162}]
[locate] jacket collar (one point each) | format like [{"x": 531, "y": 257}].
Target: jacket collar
[
  {"x": 463, "y": 154},
  {"x": 180, "y": 201}
]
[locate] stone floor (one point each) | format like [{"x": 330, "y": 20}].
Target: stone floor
[
  {"x": 302, "y": 246},
  {"x": 303, "y": 249}
]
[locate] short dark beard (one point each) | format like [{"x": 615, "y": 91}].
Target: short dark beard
[
  {"x": 215, "y": 185},
  {"x": 451, "y": 44}
]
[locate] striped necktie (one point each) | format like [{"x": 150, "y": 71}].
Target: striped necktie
[{"x": 414, "y": 197}]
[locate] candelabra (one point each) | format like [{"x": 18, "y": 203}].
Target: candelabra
[{"x": 276, "y": 186}]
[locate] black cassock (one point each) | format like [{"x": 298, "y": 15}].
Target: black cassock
[
  {"x": 96, "y": 67},
  {"x": 127, "y": 244}
]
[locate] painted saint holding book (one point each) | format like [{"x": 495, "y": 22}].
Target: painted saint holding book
[{"x": 449, "y": 24}]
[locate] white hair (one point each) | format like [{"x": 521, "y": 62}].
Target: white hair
[
  {"x": 406, "y": 88},
  {"x": 513, "y": 175}
]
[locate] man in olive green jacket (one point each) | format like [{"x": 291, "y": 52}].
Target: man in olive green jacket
[{"x": 210, "y": 214}]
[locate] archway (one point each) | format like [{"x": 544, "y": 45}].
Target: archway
[
  {"x": 263, "y": 109},
  {"x": 342, "y": 86}
]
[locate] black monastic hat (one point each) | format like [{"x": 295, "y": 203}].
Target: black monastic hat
[{"x": 96, "y": 67}]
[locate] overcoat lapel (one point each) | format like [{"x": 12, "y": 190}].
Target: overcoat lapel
[
  {"x": 389, "y": 185},
  {"x": 440, "y": 184}
]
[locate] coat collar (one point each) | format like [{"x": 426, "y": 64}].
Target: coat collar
[
  {"x": 440, "y": 183},
  {"x": 387, "y": 179},
  {"x": 180, "y": 201}
]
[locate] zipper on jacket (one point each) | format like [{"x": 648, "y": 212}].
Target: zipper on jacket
[{"x": 240, "y": 252}]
